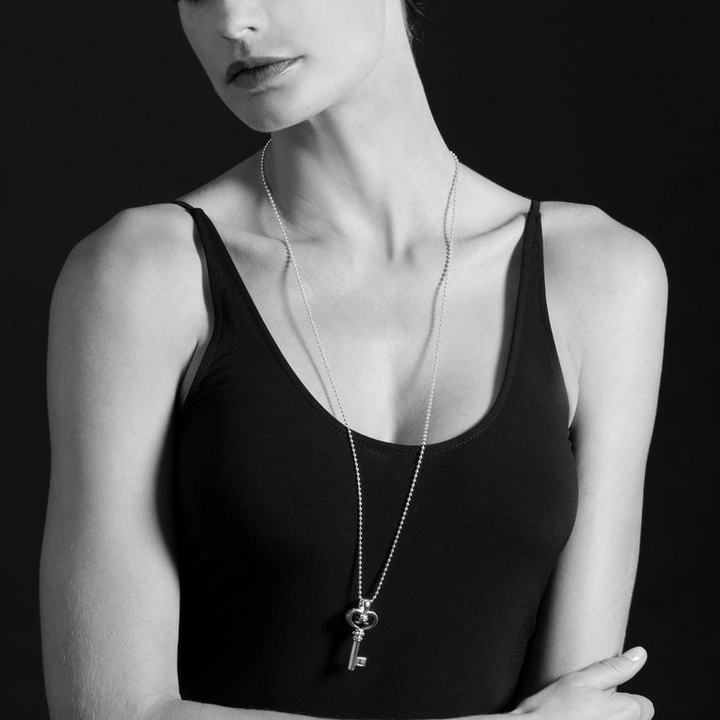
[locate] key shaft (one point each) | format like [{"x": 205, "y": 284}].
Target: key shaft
[{"x": 355, "y": 659}]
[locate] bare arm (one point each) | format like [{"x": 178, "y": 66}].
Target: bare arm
[
  {"x": 186, "y": 710},
  {"x": 108, "y": 586},
  {"x": 615, "y": 282}
]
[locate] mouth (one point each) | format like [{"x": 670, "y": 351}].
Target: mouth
[{"x": 265, "y": 69}]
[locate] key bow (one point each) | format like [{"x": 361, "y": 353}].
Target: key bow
[{"x": 362, "y": 618}]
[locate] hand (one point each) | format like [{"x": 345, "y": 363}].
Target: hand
[{"x": 590, "y": 694}]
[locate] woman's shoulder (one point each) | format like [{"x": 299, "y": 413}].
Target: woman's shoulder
[
  {"x": 595, "y": 261},
  {"x": 146, "y": 261},
  {"x": 163, "y": 231},
  {"x": 138, "y": 270},
  {"x": 150, "y": 246},
  {"x": 139, "y": 238},
  {"x": 597, "y": 246},
  {"x": 606, "y": 285}
]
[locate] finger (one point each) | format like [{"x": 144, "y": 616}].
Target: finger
[
  {"x": 646, "y": 707},
  {"x": 613, "y": 671}
]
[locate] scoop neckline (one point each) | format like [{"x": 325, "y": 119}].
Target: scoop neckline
[{"x": 466, "y": 435}]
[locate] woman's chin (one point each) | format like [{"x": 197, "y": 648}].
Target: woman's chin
[{"x": 266, "y": 116}]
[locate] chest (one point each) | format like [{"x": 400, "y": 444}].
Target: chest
[{"x": 379, "y": 329}]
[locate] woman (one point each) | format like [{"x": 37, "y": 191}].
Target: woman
[{"x": 349, "y": 352}]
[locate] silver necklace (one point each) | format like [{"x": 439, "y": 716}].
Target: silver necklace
[{"x": 361, "y": 618}]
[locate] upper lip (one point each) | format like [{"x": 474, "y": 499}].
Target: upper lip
[{"x": 239, "y": 65}]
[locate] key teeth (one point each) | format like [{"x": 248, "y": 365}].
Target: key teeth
[{"x": 361, "y": 661}]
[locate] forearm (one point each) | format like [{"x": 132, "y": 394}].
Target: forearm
[{"x": 188, "y": 710}]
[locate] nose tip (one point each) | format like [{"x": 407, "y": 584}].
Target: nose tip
[
  {"x": 239, "y": 20},
  {"x": 234, "y": 34}
]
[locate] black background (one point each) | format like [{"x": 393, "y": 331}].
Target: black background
[{"x": 611, "y": 104}]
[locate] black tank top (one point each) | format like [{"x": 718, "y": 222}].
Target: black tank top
[{"x": 266, "y": 524}]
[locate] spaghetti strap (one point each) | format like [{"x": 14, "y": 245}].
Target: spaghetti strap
[
  {"x": 533, "y": 213},
  {"x": 183, "y": 204},
  {"x": 215, "y": 283},
  {"x": 211, "y": 241},
  {"x": 539, "y": 307}
]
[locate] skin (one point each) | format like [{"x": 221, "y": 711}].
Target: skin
[{"x": 130, "y": 318}]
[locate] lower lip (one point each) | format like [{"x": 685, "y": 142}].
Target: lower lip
[{"x": 263, "y": 73}]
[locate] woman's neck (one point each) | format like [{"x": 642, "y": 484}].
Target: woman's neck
[{"x": 372, "y": 171}]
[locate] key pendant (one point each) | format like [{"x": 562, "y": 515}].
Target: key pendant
[{"x": 362, "y": 619}]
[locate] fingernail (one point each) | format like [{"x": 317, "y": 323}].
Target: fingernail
[{"x": 635, "y": 654}]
